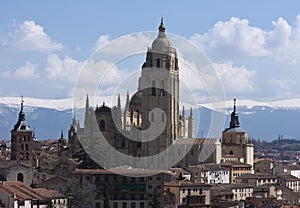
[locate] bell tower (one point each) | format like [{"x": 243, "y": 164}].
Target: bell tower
[
  {"x": 22, "y": 139},
  {"x": 235, "y": 143},
  {"x": 159, "y": 89}
]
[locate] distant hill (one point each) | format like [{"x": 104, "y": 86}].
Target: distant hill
[{"x": 262, "y": 120}]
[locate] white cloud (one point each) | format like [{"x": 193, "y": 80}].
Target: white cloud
[
  {"x": 235, "y": 79},
  {"x": 65, "y": 70},
  {"x": 102, "y": 41},
  {"x": 68, "y": 73},
  {"x": 232, "y": 38},
  {"x": 27, "y": 71},
  {"x": 125, "y": 45},
  {"x": 236, "y": 40},
  {"x": 31, "y": 36}
]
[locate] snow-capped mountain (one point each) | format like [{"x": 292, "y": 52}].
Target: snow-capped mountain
[{"x": 264, "y": 120}]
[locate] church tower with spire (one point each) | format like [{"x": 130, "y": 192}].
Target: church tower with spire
[
  {"x": 22, "y": 139},
  {"x": 235, "y": 143},
  {"x": 159, "y": 88}
]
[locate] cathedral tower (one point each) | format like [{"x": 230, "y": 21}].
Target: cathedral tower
[
  {"x": 235, "y": 143},
  {"x": 159, "y": 89},
  {"x": 22, "y": 139}
]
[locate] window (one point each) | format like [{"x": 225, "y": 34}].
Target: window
[
  {"x": 158, "y": 178},
  {"x": 20, "y": 177},
  {"x": 230, "y": 152},
  {"x": 124, "y": 205},
  {"x": 162, "y": 88},
  {"x": 183, "y": 190},
  {"x": 115, "y": 205},
  {"x": 158, "y": 62},
  {"x": 132, "y": 204},
  {"x": 153, "y": 88},
  {"x": 102, "y": 125},
  {"x": 21, "y": 156},
  {"x": 123, "y": 143},
  {"x": 142, "y": 204}
]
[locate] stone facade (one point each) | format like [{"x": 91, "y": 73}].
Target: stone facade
[
  {"x": 235, "y": 142},
  {"x": 22, "y": 140},
  {"x": 137, "y": 189}
]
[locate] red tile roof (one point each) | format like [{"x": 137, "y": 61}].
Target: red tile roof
[{"x": 23, "y": 192}]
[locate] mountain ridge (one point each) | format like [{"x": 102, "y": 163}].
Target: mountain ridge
[{"x": 264, "y": 122}]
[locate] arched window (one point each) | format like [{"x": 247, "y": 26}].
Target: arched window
[
  {"x": 123, "y": 143},
  {"x": 21, "y": 156},
  {"x": 26, "y": 156},
  {"x": 162, "y": 86},
  {"x": 102, "y": 125},
  {"x": 20, "y": 177},
  {"x": 230, "y": 152},
  {"x": 153, "y": 88}
]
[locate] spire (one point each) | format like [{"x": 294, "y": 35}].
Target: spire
[
  {"x": 21, "y": 124},
  {"x": 127, "y": 101},
  {"x": 234, "y": 105},
  {"x": 119, "y": 102},
  {"x": 87, "y": 105},
  {"x": 191, "y": 112},
  {"x": 191, "y": 125},
  {"x": 62, "y": 134},
  {"x": 87, "y": 113},
  {"x": 183, "y": 112},
  {"x": 22, "y": 101},
  {"x": 162, "y": 29},
  {"x": 234, "y": 122},
  {"x": 162, "y": 26}
]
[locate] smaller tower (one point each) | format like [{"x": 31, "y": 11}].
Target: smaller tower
[
  {"x": 22, "y": 139},
  {"x": 191, "y": 125},
  {"x": 182, "y": 123},
  {"x": 235, "y": 142}
]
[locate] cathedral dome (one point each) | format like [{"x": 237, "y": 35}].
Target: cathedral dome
[{"x": 161, "y": 43}]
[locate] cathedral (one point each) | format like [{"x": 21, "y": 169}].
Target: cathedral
[{"x": 154, "y": 109}]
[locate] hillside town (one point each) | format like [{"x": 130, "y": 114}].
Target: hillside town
[{"x": 234, "y": 171}]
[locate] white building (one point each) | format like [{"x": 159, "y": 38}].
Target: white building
[{"x": 289, "y": 181}]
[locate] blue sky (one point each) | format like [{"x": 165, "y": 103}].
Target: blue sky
[{"x": 254, "y": 45}]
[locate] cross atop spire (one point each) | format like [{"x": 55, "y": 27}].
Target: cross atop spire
[
  {"x": 22, "y": 102},
  {"x": 162, "y": 26},
  {"x": 234, "y": 122},
  {"x": 234, "y": 105},
  {"x": 21, "y": 124}
]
